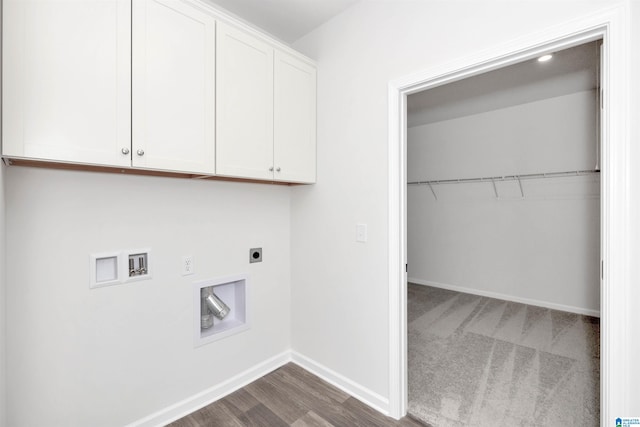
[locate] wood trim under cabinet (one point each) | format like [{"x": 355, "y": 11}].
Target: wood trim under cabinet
[{"x": 131, "y": 171}]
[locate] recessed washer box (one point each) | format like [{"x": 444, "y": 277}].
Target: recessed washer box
[
  {"x": 234, "y": 292},
  {"x": 138, "y": 264},
  {"x": 105, "y": 269},
  {"x": 118, "y": 267}
]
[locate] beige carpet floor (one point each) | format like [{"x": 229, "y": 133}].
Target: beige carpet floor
[{"x": 477, "y": 361}]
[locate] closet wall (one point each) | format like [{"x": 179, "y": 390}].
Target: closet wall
[{"x": 533, "y": 240}]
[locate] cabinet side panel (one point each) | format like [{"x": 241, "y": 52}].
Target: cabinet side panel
[{"x": 12, "y": 77}]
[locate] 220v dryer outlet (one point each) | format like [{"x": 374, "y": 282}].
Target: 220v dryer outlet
[{"x": 255, "y": 255}]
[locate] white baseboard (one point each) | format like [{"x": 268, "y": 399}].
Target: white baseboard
[
  {"x": 204, "y": 398},
  {"x": 366, "y": 396},
  {"x": 545, "y": 304}
]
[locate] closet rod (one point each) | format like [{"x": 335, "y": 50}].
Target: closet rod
[{"x": 507, "y": 177}]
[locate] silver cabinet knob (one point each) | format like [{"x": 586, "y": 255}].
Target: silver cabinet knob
[
  {"x": 271, "y": 169},
  {"x": 125, "y": 150},
  {"x": 140, "y": 152},
  {"x": 278, "y": 169}
]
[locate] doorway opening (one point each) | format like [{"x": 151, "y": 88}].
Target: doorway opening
[
  {"x": 503, "y": 219},
  {"x": 608, "y": 25}
]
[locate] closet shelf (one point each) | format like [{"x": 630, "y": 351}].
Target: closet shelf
[{"x": 507, "y": 177}]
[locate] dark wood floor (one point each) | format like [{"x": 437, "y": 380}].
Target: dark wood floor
[{"x": 290, "y": 396}]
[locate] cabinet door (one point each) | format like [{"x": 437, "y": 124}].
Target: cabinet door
[
  {"x": 244, "y": 105},
  {"x": 66, "y": 80},
  {"x": 294, "y": 119},
  {"x": 173, "y": 86}
]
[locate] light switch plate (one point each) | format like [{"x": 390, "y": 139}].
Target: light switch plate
[{"x": 361, "y": 233}]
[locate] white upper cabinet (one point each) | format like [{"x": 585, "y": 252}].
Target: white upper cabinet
[
  {"x": 66, "y": 80},
  {"x": 173, "y": 86},
  {"x": 294, "y": 152},
  {"x": 154, "y": 84},
  {"x": 266, "y": 110},
  {"x": 244, "y": 105}
]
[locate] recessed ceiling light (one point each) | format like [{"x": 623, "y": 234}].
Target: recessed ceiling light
[{"x": 545, "y": 58}]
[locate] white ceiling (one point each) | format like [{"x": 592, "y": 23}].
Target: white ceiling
[
  {"x": 287, "y": 20},
  {"x": 570, "y": 71}
]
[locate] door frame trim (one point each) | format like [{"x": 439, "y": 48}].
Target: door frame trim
[{"x": 612, "y": 26}]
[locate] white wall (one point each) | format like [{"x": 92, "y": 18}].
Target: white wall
[
  {"x": 552, "y": 135},
  {"x": 111, "y": 356},
  {"x": 634, "y": 298},
  {"x": 3, "y": 390},
  {"x": 340, "y": 287},
  {"x": 543, "y": 248}
]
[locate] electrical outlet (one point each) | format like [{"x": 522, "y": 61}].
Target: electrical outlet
[{"x": 187, "y": 265}]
